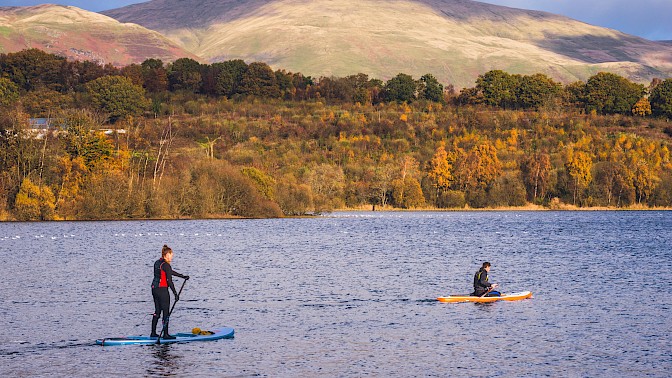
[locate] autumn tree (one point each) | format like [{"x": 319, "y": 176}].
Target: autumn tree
[
  {"x": 34, "y": 202},
  {"x": 498, "y": 88},
  {"x": 9, "y": 92},
  {"x": 293, "y": 197},
  {"x": 327, "y": 183},
  {"x": 401, "y": 88},
  {"x": 407, "y": 170},
  {"x": 134, "y": 72},
  {"x": 285, "y": 84},
  {"x": 353, "y": 88},
  {"x": 431, "y": 89},
  {"x": 440, "y": 169},
  {"x": 642, "y": 108},
  {"x": 155, "y": 76},
  {"x": 536, "y": 170},
  {"x": 407, "y": 193},
  {"x": 105, "y": 196},
  {"x": 77, "y": 73},
  {"x": 265, "y": 184},
  {"x": 331, "y": 88},
  {"x": 71, "y": 173},
  {"x": 302, "y": 86},
  {"x": 507, "y": 190},
  {"x": 471, "y": 96},
  {"x": 363, "y": 88},
  {"x": 612, "y": 181},
  {"x": 33, "y": 68},
  {"x": 645, "y": 163},
  {"x": 20, "y": 155},
  {"x": 44, "y": 102},
  {"x": 662, "y": 196},
  {"x": 229, "y": 76},
  {"x": 185, "y": 74},
  {"x": 81, "y": 139},
  {"x": 259, "y": 80},
  {"x": 385, "y": 172},
  {"x": 117, "y": 96},
  {"x": 578, "y": 165},
  {"x": 575, "y": 94},
  {"x": 608, "y": 93},
  {"x": 536, "y": 91},
  {"x": 476, "y": 171},
  {"x": 661, "y": 99}
]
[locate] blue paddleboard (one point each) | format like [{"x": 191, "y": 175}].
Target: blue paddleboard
[{"x": 221, "y": 333}]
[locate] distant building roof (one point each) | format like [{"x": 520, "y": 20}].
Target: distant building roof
[{"x": 41, "y": 123}]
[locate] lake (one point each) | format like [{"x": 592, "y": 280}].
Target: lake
[{"x": 348, "y": 294}]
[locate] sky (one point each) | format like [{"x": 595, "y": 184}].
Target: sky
[{"x": 645, "y": 18}]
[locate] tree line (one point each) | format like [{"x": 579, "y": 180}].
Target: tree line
[
  {"x": 237, "y": 139},
  {"x": 53, "y": 78}
]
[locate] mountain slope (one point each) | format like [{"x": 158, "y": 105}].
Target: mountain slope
[
  {"x": 79, "y": 34},
  {"x": 456, "y": 40}
]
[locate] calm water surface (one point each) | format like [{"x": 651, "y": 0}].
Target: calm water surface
[{"x": 351, "y": 294}]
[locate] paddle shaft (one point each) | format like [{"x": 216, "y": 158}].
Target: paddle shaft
[
  {"x": 486, "y": 293},
  {"x": 158, "y": 340}
]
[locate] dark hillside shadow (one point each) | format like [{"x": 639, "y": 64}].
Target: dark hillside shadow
[
  {"x": 587, "y": 48},
  {"x": 175, "y": 14},
  {"x": 594, "y": 49},
  {"x": 172, "y": 14},
  {"x": 465, "y": 10}
]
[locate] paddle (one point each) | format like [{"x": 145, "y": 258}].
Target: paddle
[
  {"x": 486, "y": 293},
  {"x": 158, "y": 340}
]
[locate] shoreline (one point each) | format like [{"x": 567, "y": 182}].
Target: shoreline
[
  {"x": 374, "y": 209},
  {"x": 507, "y": 208}
]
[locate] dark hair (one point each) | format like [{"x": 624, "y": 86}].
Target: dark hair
[
  {"x": 486, "y": 264},
  {"x": 166, "y": 250}
]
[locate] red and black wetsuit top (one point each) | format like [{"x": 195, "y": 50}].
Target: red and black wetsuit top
[{"x": 163, "y": 275}]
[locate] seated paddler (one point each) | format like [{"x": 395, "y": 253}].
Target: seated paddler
[{"x": 482, "y": 286}]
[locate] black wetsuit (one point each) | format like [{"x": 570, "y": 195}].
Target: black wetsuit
[
  {"x": 163, "y": 279},
  {"x": 481, "y": 284}
]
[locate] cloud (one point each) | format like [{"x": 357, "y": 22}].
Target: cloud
[{"x": 647, "y": 18}]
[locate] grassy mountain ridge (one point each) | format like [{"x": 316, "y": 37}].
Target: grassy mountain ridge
[
  {"x": 456, "y": 40},
  {"x": 79, "y": 34}
]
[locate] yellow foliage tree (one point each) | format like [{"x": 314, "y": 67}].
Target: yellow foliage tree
[
  {"x": 72, "y": 172},
  {"x": 478, "y": 168},
  {"x": 407, "y": 193},
  {"x": 642, "y": 108},
  {"x": 34, "y": 202},
  {"x": 578, "y": 165},
  {"x": 440, "y": 169}
]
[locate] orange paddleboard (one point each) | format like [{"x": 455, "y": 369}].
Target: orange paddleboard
[{"x": 471, "y": 298}]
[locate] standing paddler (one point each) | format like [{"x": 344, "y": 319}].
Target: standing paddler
[{"x": 163, "y": 279}]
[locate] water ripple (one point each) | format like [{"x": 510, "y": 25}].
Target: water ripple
[{"x": 348, "y": 294}]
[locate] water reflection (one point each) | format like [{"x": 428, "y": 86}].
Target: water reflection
[{"x": 165, "y": 362}]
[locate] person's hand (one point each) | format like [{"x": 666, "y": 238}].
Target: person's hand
[
  {"x": 177, "y": 297},
  {"x": 186, "y": 278}
]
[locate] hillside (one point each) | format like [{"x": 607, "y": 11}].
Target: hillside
[
  {"x": 79, "y": 34},
  {"x": 456, "y": 40}
]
